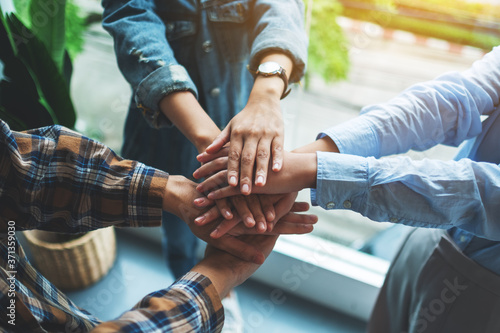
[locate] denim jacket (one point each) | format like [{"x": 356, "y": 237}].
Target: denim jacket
[{"x": 202, "y": 46}]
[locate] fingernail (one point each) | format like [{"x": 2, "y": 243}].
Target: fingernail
[
  {"x": 211, "y": 195},
  {"x": 199, "y": 201},
  {"x": 262, "y": 226},
  {"x": 245, "y": 188},
  {"x": 214, "y": 233},
  {"x": 233, "y": 180},
  {"x": 260, "y": 180},
  {"x": 228, "y": 214},
  {"x": 276, "y": 166},
  {"x": 249, "y": 221},
  {"x": 200, "y": 219}
]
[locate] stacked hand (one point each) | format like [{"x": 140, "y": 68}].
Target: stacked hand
[{"x": 181, "y": 194}]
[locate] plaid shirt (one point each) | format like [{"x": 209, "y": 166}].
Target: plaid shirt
[{"x": 54, "y": 179}]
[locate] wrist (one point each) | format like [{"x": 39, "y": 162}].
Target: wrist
[
  {"x": 305, "y": 170},
  {"x": 220, "y": 276},
  {"x": 171, "y": 197},
  {"x": 204, "y": 138}
]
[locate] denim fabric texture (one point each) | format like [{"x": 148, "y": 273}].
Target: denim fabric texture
[{"x": 198, "y": 46}]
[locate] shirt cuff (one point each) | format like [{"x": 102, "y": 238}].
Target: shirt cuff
[
  {"x": 350, "y": 134},
  {"x": 342, "y": 182},
  {"x": 200, "y": 289},
  {"x": 145, "y": 197},
  {"x": 163, "y": 81}
]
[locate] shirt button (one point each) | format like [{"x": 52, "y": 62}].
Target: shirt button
[
  {"x": 330, "y": 205},
  {"x": 347, "y": 204},
  {"x": 169, "y": 27},
  {"x": 215, "y": 92},
  {"x": 207, "y": 46},
  {"x": 394, "y": 220},
  {"x": 463, "y": 238}
]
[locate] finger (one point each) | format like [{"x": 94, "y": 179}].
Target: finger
[
  {"x": 225, "y": 226},
  {"x": 293, "y": 218},
  {"x": 224, "y": 192},
  {"x": 258, "y": 214},
  {"x": 224, "y": 208},
  {"x": 220, "y": 140},
  {"x": 241, "y": 206},
  {"x": 203, "y": 202},
  {"x": 240, "y": 249},
  {"x": 300, "y": 207},
  {"x": 211, "y": 168},
  {"x": 267, "y": 207},
  {"x": 213, "y": 182},
  {"x": 208, "y": 216},
  {"x": 277, "y": 149},
  {"x": 285, "y": 228},
  {"x": 233, "y": 164},
  {"x": 206, "y": 157},
  {"x": 247, "y": 164},
  {"x": 262, "y": 162}
]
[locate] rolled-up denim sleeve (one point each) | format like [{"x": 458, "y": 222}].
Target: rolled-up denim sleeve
[
  {"x": 278, "y": 26},
  {"x": 144, "y": 55}
]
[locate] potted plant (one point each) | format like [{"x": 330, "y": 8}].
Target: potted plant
[{"x": 34, "y": 92}]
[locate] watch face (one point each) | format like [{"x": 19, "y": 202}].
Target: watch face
[{"x": 269, "y": 67}]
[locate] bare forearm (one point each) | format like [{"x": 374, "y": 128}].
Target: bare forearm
[
  {"x": 188, "y": 116},
  {"x": 324, "y": 144}
]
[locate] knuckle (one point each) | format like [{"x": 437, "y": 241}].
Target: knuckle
[
  {"x": 234, "y": 155},
  {"x": 263, "y": 154},
  {"x": 247, "y": 159},
  {"x": 277, "y": 148}
]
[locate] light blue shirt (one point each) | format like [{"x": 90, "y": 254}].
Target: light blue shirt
[{"x": 462, "y": 195}]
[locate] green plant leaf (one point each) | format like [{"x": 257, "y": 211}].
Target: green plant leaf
[
  {"x": 19, "y": 98},
  {"x": 48, "y": 24},
  {"x": 51, "y": 85}
]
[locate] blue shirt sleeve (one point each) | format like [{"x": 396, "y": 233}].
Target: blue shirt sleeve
[
  {"x": 427, "y": 193},
  {"x": 446, "y": 110}
]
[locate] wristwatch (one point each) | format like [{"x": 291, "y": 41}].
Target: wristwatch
[{"x": 271, "y": 68}]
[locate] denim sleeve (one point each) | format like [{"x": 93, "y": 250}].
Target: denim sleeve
[
  {"x": 278, "y": 26},
  {"x": 446, "y": 110},
  {"x": 144, "y": 55},
  {"x": 427, "y": 193}
]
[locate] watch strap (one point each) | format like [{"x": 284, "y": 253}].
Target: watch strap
[{"x": 280, "y": 73}]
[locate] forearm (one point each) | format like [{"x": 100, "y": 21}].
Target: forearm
[
  {"x": 191, "y": 304},
  {"x": 325, "y": 144},
  {"x": 69, "y": 180},
  {"x": 427, "y": 193},
  {"x": 184, "y": 111}
]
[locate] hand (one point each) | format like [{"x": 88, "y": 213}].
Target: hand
[
  {"x": 178, "y": 199},
  {"x": 255, "y": 135},
  {"x": 299, "y": 172},
  {"x": 227, "y": 271},
  {"x": 282, "y": 204}
]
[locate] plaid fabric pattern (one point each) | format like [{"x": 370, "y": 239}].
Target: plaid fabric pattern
[{"x": 55, "y": 179}]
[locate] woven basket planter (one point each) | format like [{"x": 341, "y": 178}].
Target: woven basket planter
[{"x": 75, "y": 263}]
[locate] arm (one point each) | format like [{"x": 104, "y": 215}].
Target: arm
[
  {"x": 193, "y": 302},
  {"x": 446, "y": 110},
  {"x": 55, "y": 179},
  {"x": 256, "y": 134}
]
